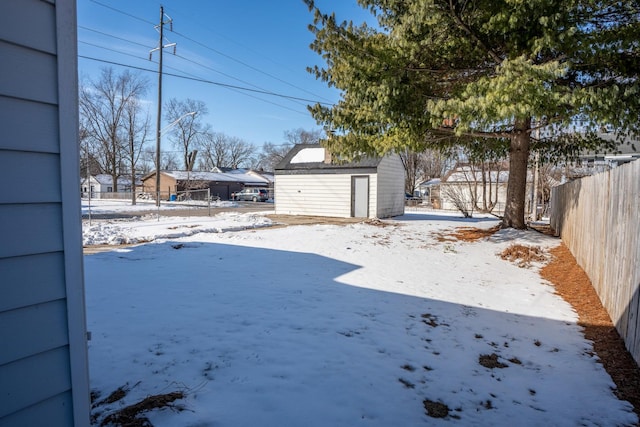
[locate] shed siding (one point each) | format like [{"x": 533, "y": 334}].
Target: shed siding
[
  {"x": 43, "y": 364},
  {"x": 323, "y": 195},
  {"x": 390, "y": 187}
]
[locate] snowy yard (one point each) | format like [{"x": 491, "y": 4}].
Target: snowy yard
[{"x": 368, "y": 324}]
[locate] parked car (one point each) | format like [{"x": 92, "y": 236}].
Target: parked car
[{"x": 251, "y": 194}]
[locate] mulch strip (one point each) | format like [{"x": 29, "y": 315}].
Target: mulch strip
[{"x": 572, "y": 284}]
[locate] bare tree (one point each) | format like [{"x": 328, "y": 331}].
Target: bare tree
[
  {"x": 241, "y": 153},
  {"x": 420, "y": 167},
  {"x": 103, "y": 109},
  {"x": 458, "y": 196},
  {"x": 271, "y": 154},
  {"x": 187, "y": 127},
  {"x": 223, "y": 151},
  {"x": 214, "y": 150},
  {"x": 136, "y": 129},
  {"x": 302, "y": 136}
]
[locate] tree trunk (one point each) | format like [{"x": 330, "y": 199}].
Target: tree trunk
[{"x": 517, "y": 185}]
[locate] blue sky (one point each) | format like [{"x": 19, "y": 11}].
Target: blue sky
[{"x": 261, "y": 45}]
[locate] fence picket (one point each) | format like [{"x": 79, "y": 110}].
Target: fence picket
[{"x": 598, "y": 219}]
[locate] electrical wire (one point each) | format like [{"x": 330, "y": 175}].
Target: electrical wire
[
  {"x": 245, "y": 64},
  {"x": 225, "y": 85},
  {"x": 216, "y": 51},
  {"x": 112, "y": 36},
  {"x": 123, "y": 12}
]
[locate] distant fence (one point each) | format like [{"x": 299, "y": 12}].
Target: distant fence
[{"x": 598, "y": 218}]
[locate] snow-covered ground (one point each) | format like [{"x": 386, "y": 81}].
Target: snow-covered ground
[{"x": 326, "y": 325}]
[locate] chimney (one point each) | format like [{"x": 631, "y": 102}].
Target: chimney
[{"x": 327, "y": 156}]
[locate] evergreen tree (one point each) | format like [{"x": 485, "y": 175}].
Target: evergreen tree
[{"x": 543, "y": 75}]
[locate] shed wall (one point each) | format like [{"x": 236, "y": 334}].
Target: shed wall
[
  {"x": 43, "y": 364},
  {"x": 322, "y": 195},
  {"x": 390, "y": 183}
]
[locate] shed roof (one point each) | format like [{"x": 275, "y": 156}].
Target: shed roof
[{"x": 305, "y": 157}]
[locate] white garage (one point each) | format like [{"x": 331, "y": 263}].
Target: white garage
[{"x": 308, "y": 182}]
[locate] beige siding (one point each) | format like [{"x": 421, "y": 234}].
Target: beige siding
[
  {"x": 43, "y": 361},
  {"x": 464, "y": 190},
  {"x": 390, "y": 187},
  {"x": 325, "y": 195}
]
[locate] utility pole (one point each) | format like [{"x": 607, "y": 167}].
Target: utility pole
[{"x": 160, "y": 49}]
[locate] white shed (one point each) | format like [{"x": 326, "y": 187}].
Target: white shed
[{"x": 307, "y": 182}]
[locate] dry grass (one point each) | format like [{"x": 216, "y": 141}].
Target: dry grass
[
  {"x": 132, "y": 415},
  {"x": 523, "y": 256},
  {"x": 467, "y": 234}
]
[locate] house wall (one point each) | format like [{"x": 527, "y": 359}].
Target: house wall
[
  {"x": 462, "y": 188},
  {"x": 43, "y": 361},
  {"x": 390, "y": 182},
  {"x": 167, "y": 186},
  {"x": 318, "y": 194}
]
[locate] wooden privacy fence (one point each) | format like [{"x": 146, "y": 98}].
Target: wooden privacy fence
[{"x": 598, "y": 218}]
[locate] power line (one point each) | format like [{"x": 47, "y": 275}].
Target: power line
[
  {"x": 246, "y": 65},
  {"x": 225, "y": 74},
  {"x": 112, "y": 36},
  {"x": 123, "y": 12},
  {"x": 217, "y": 52},
  {"x": 194, "y": 77},
  {"x": 241, "y": 88},
  {"x": 173, "y": 68},
  {"x": 110, "y": 49}
]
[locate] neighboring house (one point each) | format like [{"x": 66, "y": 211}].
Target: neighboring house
[
  {"x": 44, "y": 377},
  {"x": 102, "y": 185},
  {"x": 466, "y": 187},
  {"x": 269, "y": 177},
  {"x": 308, "y": 182},
  {"x": 220, "y": 184},
  {"x": 589, "y": 163},
  {"x": 430, "y": 191},
  {"x": 90, "y": 187}
]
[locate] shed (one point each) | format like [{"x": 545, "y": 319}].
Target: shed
[
  {"x": 309, "y": 182},
  {"x": 44, "y": 377}
]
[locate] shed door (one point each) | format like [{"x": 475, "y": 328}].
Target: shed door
[{"x": 360, "y": 196}]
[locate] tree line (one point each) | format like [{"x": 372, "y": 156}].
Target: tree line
[{"x": 117, "y": 136}]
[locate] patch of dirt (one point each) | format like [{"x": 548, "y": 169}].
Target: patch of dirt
[
  {"x": 491, "y": 361},
  {"x": 523, "y": 255},
  {"x": 430, "y": 319},
  {"x": 435, "y": 409},
  {"x": 286, "y": 220},
  {"x": 467, "y": 234},
  {"x": 572, "y": 284}
]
